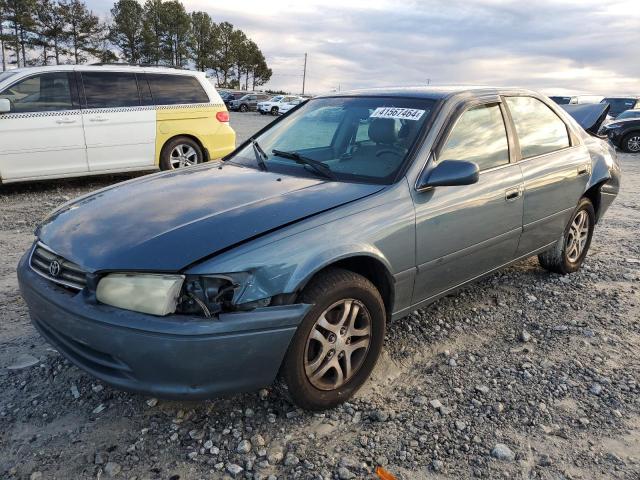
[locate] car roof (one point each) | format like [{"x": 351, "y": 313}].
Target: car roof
[
  {"x": 106, "y": 68},
  {"x": 430, "y": 92}
]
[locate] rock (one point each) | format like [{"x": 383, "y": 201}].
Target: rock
[
  {"x": 379, "y": 416},
  {"x": 436, "y": 404},
  {"x": 275, "y": 455},
  {"x": 419, "y": 400},
  {"x": 234, "y": 470},
  {"x": 35, "y": 476},
  {"x": 502, "y": 452},
  {"x": 596, "y": 389},
  {"x": 345, "y": 474},
  {"x": 152, "y": 402},
  {"x": 452, "y": 362},
  {"x": 291, "y": 460},
  {"x": 263, "y": 394},
  {"x": 545, "y": 460},
  {"x": 23, "y": 360},
  {"x": 112, "y": 469},
  {"x": 437, "y": 465},
  {"x": 75, "y": 392},
  {"x": 208, "y": 444},
  {"x": 258, "y": 440},
  {"x": 460, "y": 425},
  {"x": 100, "y": 408},
  {"x": 244, "y": 446},
  {"x": 525, "y": 336},
  {"x": 482, "y": 389}
]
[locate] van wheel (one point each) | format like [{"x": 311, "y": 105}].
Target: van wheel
[
  {"x": 274, "y": 111},
  {"x": 337, "y": 344},
  {"x": 631, "y": 143},
  {"x": 243, "y": 108},
  {"x": 180, "y": 152},
  {"x": 567, "y": 255}
]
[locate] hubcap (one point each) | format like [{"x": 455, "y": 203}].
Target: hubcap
[
  {"x": 577, "y": 236},
  {"x": 338, "y": 344},
  {"x": 183, "y": 155},
  {"x": 634, "y": 144}
]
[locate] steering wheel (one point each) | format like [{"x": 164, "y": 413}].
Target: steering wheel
[{"x": 388, "y": 150}]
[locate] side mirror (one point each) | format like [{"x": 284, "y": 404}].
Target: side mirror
[
  {"x": 5, "y": 105},
  {"x": 450, "y": 173}
]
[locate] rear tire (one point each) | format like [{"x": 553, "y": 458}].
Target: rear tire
[
  {"x": 180, "y": 152},
  {"x": 338, "y": 343},
  {"x": 569, "y": 252},
  {"x": 244, "y": 108},
  {"x": 631, "y": 142}
]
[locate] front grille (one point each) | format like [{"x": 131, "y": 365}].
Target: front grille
[{"x": 55, "y": 268}]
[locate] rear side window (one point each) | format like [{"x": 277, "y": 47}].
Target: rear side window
[
  {"x": 176, "y": 89},
  {"x": 110, "y": 89},
  {"x": 478, "y": 136},
  {"x": 539, "y": 129},
  {"x": 48, "y": 92}
]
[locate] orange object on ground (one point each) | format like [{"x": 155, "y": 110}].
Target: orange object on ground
[{"x": 384, "y": 475}]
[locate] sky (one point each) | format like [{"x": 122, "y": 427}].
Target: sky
[{"x": 561, "y": 47}]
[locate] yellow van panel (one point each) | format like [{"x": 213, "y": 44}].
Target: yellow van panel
[{"x": 196, "y": 121}]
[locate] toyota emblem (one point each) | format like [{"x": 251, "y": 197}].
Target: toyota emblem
[{"x": 54, "y": 268}]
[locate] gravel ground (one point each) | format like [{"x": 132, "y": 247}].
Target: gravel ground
[{"x": 523, "y": 375}]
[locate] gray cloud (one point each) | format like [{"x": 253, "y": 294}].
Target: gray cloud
[{"x": 581, "y": 46}]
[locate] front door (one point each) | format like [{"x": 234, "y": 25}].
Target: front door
[
  {"x": 120, "y": 132},
  {"x": 465, "y": 231},
  {"x": 555, "y": 172},
  {"x": 42, "y": 136}
]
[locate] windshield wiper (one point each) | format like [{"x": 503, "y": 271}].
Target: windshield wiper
[
  {"x": 260, "y": 155},
  {"x": 317, "y": 166}
]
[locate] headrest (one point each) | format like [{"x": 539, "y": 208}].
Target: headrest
[{"x": 383, "y": 130}]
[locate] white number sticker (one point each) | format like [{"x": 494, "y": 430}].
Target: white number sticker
[{"x": 398, "y": 113}]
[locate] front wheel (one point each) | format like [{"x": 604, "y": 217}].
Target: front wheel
[
  {"x": 631, "y": 143},
  {"x": 244, "y": 108},
  {"x": 180, "y": 152},
  {"x": 567, "y": 255},
  {"x": 337, "y": 344},
  {"x": 274, "y": 111}
]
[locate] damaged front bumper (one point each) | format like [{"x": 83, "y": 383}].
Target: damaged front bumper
[{"x": 173, "y": 357}]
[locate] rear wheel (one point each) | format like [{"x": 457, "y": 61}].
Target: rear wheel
[
  {"x": 337, "y": 344},
  {"x": 631, "y": 142},
  {"x": 244, "y": 108},
  {"x": 180, "y": 152},
  {"x": 567, "y": 255},
  {"x": 274, "y": 110}
]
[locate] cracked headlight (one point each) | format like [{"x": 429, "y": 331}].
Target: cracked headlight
[{"x": 155, "y": 294}]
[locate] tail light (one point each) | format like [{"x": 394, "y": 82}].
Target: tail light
[{"x": 222, "y": 116}]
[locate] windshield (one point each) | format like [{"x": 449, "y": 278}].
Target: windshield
[
  {"x": 629, "y": 114},
  {"x": 561, "y": 100},
  {"x": 619, "y": 105},
  {"x": 359, "y": 139},
  {"x": 275, "y": 99}
]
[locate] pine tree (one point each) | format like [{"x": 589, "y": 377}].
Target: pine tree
[
  {"x": 152, "y": 32},
  {"x": 50, "y": 26},
  {"x": 175, "y": 24},
  {"x": 202, "y": 41},
  {"x": 20, "y": 16},
  {"x": 85, "y": 30},
  {"x": 126, "y": 31}
]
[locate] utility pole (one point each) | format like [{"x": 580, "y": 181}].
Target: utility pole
[{"x": 304, "y": 73}]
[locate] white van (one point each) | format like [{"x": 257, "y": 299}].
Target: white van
[{"x": 74, "y": 120}]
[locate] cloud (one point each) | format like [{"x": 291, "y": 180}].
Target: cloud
[{"x": 586, "y": 46}]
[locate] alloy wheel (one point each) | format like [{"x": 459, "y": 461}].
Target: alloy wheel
[
  {"x": 337, "y": 344},
  {"x": 633, "y": 144},
  {"x": 183, "y": 155},
  {"x": 577, "y": 236}
]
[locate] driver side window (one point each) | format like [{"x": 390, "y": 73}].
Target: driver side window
[
  {"x": 48, "y": 92},
  {"x": 479, "y": 136}
]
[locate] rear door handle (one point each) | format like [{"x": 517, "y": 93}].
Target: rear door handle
[
  {"x": 583, "y": 169},
  {"x": 62, "y": 121},
  {"x": 98, "y": 119},
  {"x": 512, "y": 194}
]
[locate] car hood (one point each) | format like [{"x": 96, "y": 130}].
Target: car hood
[
  {"x": 168, "y": 221},
  {"x": 589, "y": 116},
  {"x": 623, "y": 121}
]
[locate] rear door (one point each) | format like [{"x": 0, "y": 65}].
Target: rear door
[
  {"x": 42, "y": 135},
  {"x": 120, "y": 131},
  {"x": 555, "y": 169},
  {"x": 465, "y": 231}
]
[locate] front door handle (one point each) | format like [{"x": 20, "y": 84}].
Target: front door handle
[
  {"x": 583, "y": 169},
  {"x": 98, "y": 119},
  {"x": 512, "y": 194},
  {"x": 63, "y": 121}
]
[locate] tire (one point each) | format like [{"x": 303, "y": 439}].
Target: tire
[
  {"x": 262, "y": 113},
  {"x": 335, "y": 293},
  {"x": 169, "y": 156},
  {"x": 562, "y": 258},
  {"x": 274, "y": 111},
  {"x": 631, "y": 142},
  {"x": 244, "y": 108}
]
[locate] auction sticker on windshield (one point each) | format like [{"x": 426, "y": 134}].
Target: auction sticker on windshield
[{"x": 399, "y": 113}]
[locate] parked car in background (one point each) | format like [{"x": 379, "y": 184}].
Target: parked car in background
[
  {"x": 575, "y": 99},
  {"x": 248, "y": 102},
  {"x": 228, "y": 97},
  {"x": 68, "y": 121},
  {"x": 282, "y": 109},
  {"x": 273, "y": 105},
  {"x": 620, "y": 104},
  {"x": 624, "y": 131},
  {"x": 288, "y": 258}
]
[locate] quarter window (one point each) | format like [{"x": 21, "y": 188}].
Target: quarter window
[
  {"x": 176, "y": 89},
  {"x": 539, "y": 129},
  {"x": 110, "y": 89},
  {"x": 478, "y": 136},
  {"x": 48, "y": 92}
]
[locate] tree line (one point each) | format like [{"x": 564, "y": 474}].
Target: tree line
[{"x": 156, "y": 32}]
